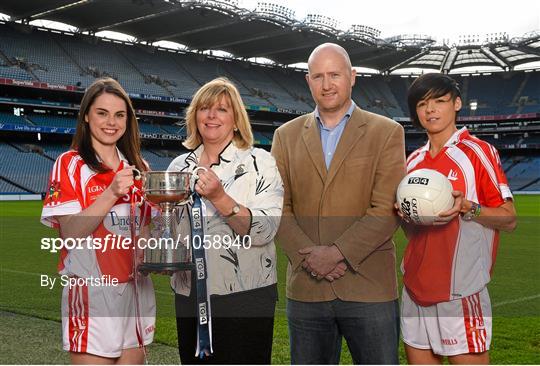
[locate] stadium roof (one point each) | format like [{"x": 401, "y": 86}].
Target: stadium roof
[{"x": 269, "y": 31}]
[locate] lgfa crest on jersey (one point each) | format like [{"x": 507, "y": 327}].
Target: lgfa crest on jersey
[{"x": 54, "y": 191}]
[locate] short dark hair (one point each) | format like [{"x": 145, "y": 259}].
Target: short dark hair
[{"x": 432, "y": 85}]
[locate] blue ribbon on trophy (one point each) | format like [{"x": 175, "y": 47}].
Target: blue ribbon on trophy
[
  {"x": 204, "y": 324},
  {"x": 169, "y": 189}
]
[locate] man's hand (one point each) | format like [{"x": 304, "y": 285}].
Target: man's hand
[
  {"x": 320, "y": 259},
  {"x": 337, "y": 272}
]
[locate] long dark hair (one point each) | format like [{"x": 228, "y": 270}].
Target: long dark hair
[{"x": 129, "y": 144}]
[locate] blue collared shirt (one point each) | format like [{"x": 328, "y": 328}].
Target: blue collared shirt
[{"x": 330, "y": 136}]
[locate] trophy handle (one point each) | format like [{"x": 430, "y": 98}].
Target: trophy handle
[
  {"x": 195, "y": 177},
  {"x": 192, "y": 182},
  {"x": 137, "y": 175}
]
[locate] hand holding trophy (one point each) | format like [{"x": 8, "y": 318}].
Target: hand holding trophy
[{"x": 166, "y": 254}]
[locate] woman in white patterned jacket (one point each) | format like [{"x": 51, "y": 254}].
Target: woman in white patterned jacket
[{"x": 243, "y": 194}]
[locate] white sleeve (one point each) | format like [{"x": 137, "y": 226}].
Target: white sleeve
[{"x": 267, "y": 202}]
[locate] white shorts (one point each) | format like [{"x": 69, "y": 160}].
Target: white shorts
[
  {"x": 101, "y": 320},
  {"x": 449, "y": 328}
]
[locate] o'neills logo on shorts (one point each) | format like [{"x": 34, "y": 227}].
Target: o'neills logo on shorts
[{"x": 449, "y": 341}]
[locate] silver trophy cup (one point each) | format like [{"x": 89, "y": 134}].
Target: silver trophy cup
[{"x": 167, "y": 253}]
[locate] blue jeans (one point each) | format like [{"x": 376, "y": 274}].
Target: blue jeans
[{"x": 370, "y": 329}]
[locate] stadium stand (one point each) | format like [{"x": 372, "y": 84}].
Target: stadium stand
[
  {"x": 524, "y": 173},
  {"x": 158, "y": 159},
  {"x": 25, "y": 168},
  {"x": 39, "y": 54},
  {"x": 153, "y": 73},
  {"x": 6, "y": 187},
  {"x": 77, "y": 60},
  {"x": 149, "y": 128},
  {"x": 52, "y": 121},
  {"x": 54, "y": 150},
  {"x": 160, "y": 68},
  {"x": 13, "y": 119},
  {"x": 174, "y": 129}
]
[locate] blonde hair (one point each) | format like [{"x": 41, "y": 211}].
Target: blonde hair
[{"x": 208, "y": 95}]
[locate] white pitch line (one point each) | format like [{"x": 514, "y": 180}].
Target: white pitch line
[
  {"x": 23, "y": 272},
  {"x": 515, "y": 301}
]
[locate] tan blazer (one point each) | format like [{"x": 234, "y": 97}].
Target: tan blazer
[{"x": 350, "y": 205}]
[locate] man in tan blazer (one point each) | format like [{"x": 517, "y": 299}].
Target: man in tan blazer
[{"x": 340, "y": 167}]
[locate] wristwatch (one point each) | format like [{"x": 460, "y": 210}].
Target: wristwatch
[
  {"x": 235, "y": 210},
  {"x": 473, "y": 212}
]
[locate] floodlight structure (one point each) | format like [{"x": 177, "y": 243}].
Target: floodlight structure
[
  {"x": 481, "y": 39},
  {"x": 275, "y": 13},
  {"x": 411, "y": 40},
  {"x": 362, "y": 33},
  {"x": 275, "y": 10},
  {"x": 228, "y": 7},
  {"x": 321, "y": 23}
]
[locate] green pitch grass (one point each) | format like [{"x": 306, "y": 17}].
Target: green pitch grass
[{"x": 30, "y": 314}]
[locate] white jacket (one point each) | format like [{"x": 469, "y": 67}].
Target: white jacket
[{"x": 252, "y": 179}]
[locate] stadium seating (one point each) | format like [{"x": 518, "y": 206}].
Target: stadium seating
[
  {"x": 149, "y": 128},
  {"x": 41, "y": 54},
  {"x": 28, "y": 169},
  {"x": 54, "y": 150},
  {"x": 30, "y": 54},
  {"x": 52, "y": 121},
  {"x": 294, "y": 83},
  {"x": 160, "y": 68},
  {"x": 158, "y": 160},
  {"x": 78, "y": 60},
  {"x": 6, "y": 187},
  {"x": 13, "y": 119},
  {"x": 174, "y": 129},
  {"x": 29, "y": 165},
  {"x": 14, "y": 72},
  {"x": 523, "y": 172}
]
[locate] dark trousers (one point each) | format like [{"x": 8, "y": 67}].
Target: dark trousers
[
  {"x": 370, "y": 329},
  {"x": 242, "y": 327}
]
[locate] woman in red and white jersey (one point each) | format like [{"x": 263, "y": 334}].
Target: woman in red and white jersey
[
  {"x": 446, "y": 309},
  {"x": 106, "y": 318}
]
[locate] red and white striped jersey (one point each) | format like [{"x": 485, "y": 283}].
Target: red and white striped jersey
[
  {"x": 74, "y": 186},
  {"x": 447, "y": 262}
]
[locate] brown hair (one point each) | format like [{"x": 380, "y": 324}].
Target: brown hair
[
  {"x": 129, "y": 144},
  {"x": 209, "y": 94}
]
